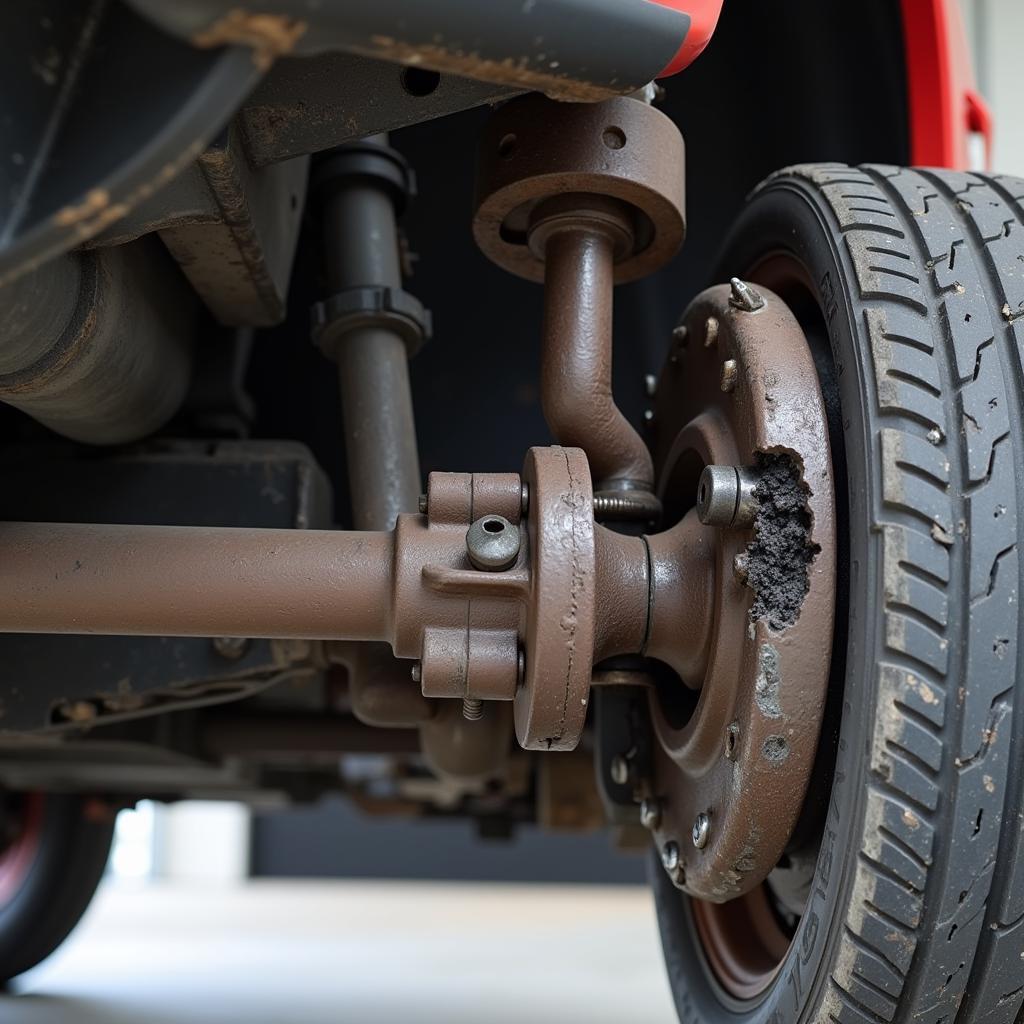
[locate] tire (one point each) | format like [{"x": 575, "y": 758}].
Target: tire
[
  {"x": 48, "y": 875},
  {"x": 910, "y": 283}
]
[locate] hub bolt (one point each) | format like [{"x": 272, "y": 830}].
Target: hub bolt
[
  {"x": 650, "y": 814},
  {"x": 701, "y": 830},
  {"x": 670, "y": 857},
  {"x": 619, "y": 770},
  {"x": 493, "y": 543},
  {"x": 745, "y": 298},
  {"x": 725, "y": 496}
]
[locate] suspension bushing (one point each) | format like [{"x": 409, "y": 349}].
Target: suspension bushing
[{"x": 535, "y": 149}]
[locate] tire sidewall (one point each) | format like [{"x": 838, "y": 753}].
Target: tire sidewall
[{"x": 786, "y": 217}]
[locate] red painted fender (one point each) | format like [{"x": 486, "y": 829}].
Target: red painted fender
[
  {"x": 703, "y": 20},
  {"x": 944, "y": 103}
]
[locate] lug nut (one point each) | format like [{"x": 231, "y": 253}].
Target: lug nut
[
  {"x": 493, "y": 543},
  {"x": 725, "y": 496},
  {"x": 650, "y": 813},
  {"x": 670, "y": 857},
  {"x": 619, "y": 770},
  {"x": 701, "y": 830}
]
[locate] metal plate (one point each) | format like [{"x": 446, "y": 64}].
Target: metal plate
[{"x": 744, "y": 756}]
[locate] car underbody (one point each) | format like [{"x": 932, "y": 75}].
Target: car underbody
[{"x": 638, "y": 585}]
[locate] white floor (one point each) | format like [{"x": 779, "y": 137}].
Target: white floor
[{"x": 354, "y": 952}]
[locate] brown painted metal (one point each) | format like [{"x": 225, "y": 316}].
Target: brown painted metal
[
  {"x": 189, "y": 581},
  {"x": 576, "y": 367},
  {"x": 583, "y": 196},
  {"x": 750, "y": 743},
  {"x": 534, "y": 149}
]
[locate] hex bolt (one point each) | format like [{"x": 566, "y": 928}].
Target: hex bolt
[
  {"x": 730, "y": 374},
  {"x": 493, "y": 543},
  {"x": 670, "y": 857},
  {"x": 650, "y": 813},
  {"x": 231, "y": 647},
  {"x": 619, "y": 770},
  {"x": 745, "y": 298},
  {"x": 725, "y": 496},
  {"x": 472, "y": 709},
  {"x": 701, "y": 830}
]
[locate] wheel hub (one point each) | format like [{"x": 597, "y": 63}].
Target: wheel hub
[{"x": 740, "y": 389}]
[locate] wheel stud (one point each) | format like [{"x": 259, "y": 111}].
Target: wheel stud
[
  {"x": 670, "y": 857},
  {"x": 701, "y": 830},
  {"x": 650, "y": 813}
]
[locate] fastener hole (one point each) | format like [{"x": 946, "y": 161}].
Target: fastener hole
[
  {"x": 420, "y": 81},
  {"x": 614, "y": 138},
  {"x": 493, "y": 526},
  {"x": 507, "y": 146}
]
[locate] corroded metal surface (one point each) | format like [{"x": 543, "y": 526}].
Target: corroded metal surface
[
  {"x": 749, "y": 744},
  {"x": 534, "y": 149}
]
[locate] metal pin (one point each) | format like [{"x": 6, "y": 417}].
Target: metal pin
[{"x": 744, "y": 297}]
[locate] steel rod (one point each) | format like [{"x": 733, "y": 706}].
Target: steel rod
[{"x": 192, "y": 581}]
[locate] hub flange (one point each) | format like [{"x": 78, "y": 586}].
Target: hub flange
[{"x": 735, "y": 753}]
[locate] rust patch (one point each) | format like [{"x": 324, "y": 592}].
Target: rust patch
[
  {"x": 270, "y": 35},
  {"x": 507, "y": 71}
]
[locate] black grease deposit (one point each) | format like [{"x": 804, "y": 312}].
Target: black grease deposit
[{"x": 779, "y": 556}]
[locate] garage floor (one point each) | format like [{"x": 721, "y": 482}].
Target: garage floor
[{"x": 354, "y": 952}]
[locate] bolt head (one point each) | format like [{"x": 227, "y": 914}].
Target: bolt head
[
  {"x": 670, "y": 857},
  {"x": 744, "y": 297},
  {"x": 650, "y": 813},
  {"x": 717, "y": 495},
  {"x": 741, "y": 567},
  {"x": 710, "y": 331},
  {"x": 619, "y": 770},
  {"x": 701, "y": 830},
  {"x": 417, "y": 672},
  {"x": 679, "y": 334},
  {"x": 422, "y": 504},
  {"x": 650, "y": 385},
  {"x": 493, "y": 543}
]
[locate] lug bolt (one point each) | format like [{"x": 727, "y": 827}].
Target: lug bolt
[
  {"x": 730, "y": 373},
  {"x": 701, "y": 830},
  {"x": 650, "y": 813},
  {"x": 493, "y": 543},
  {"x": 745, "y": 298},
  {"x": 417, "y": 672},
  {"x": 670, "y": 857},
  {"x": 725, "y": 496},
  {"x": 619, "y": 770}
]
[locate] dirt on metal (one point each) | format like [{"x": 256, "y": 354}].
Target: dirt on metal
[{"x": 779, "y": 557}]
